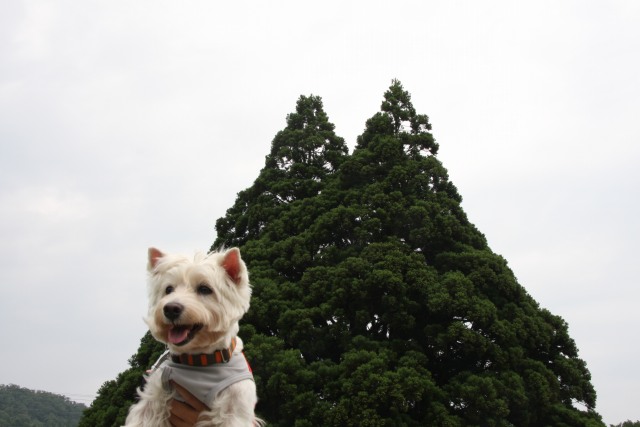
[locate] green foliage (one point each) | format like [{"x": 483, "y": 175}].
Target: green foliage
[
  {"x": 627, "y": 423},
  {"x": 376, "y": 302},
  {"x": 302, "y": 156},
  {"x": 114, "y": 398},
  {"x": 21, "y": 407}
]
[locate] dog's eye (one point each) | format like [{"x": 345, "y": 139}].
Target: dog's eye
[
  {"x": 169, "y": 289},
  {"x": 204, "y": 289}
]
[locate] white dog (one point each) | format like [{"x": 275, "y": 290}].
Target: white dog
[{"x": 194, "y": 308}]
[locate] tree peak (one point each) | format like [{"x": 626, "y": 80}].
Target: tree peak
[{"x": 398, "y": 118}]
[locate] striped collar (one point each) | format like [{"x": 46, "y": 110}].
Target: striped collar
[{"x": 218, "y": 356}]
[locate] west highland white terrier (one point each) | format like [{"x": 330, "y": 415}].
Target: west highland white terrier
[{"x": 194, "y": 308}]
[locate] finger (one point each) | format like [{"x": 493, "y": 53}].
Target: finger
[
  {"x": 184, "y": 412},
  {"x": 189, "y": 398},
  {"x": 178, "y": 422}
]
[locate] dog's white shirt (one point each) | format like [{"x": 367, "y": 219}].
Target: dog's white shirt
[
  {"x": 205, "y": 382},
  {"x": 231, "y": 407}
]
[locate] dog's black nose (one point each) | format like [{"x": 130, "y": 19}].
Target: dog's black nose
[{"x": 173, "y": 310}]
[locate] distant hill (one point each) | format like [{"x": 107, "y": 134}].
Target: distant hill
[{"x": 21, "y": 407}]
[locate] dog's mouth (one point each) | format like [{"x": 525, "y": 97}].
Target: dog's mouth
[{"x": 182, "y": 334}]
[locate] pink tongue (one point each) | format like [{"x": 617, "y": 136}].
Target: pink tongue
[{"x": 178, "y": 334}]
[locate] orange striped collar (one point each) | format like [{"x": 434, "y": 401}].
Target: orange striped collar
[{"x": 218, "y": 356}]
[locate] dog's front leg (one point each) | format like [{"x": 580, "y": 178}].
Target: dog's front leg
[
  {"x": 233, "y": 407},
  {"x": 153, "y": 409}
]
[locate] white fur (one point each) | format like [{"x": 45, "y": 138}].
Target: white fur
[{"x": 218, "y": 313}]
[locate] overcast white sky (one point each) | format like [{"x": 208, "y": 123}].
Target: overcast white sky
[{"x": 125, "y": 124}]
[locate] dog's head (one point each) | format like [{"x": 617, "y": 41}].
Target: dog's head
[{"x": 195, "y": 304}]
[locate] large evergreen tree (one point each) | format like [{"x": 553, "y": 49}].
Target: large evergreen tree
[
  {"x": 377, "y": 303},
  {"x": 302, "y": 156}
]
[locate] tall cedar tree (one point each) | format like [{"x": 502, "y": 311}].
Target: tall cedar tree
[
  {"x": 302, "y": 156},
  {"x": 377, "y": 303}
]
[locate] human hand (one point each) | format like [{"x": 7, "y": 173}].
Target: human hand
[{"x": 185, "y": 414}]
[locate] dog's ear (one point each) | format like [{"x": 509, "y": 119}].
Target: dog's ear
[
  {"x": 233, "y": 264},
  {"x": 154, "y": 256}
]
